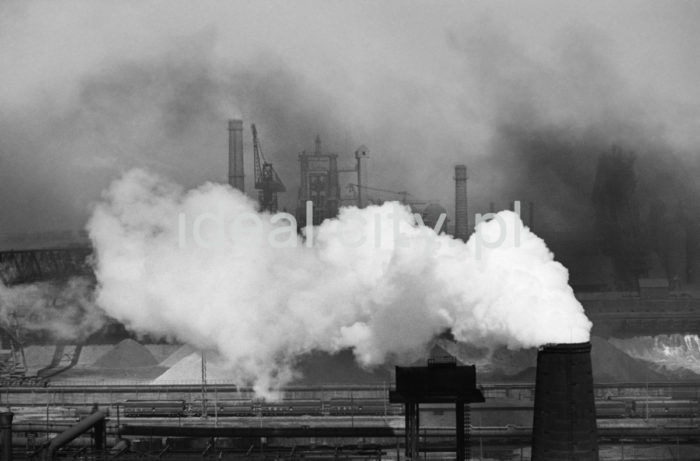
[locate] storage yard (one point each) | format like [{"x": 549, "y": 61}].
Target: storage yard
[
  {"x": 125, "y": 380},
  {"x": 313, "y": 421}
]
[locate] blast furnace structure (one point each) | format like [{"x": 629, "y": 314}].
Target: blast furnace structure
[{"x": 319, "y": 185}]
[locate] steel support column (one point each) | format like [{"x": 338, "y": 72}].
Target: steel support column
[
  {"x": 412, "y": 430},
  {"x": 459, "y": 430}
]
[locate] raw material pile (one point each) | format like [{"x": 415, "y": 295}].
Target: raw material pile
[
  {"x": 189, "y": 370},
  {"x": 162, "y": 351},
  {"x": 493, "y": 362},
  {"x": 126, "y": 354},
  {"x": 176, "y": 356},
  {"x": 610, "y": 364},
  {"x": 677, "y": 352},
  {"x": 92, "y": 352},
  {"x": 340, "y": 368},
  {"x": 317, "y": 368}
]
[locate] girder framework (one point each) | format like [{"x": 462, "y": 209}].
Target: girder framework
[{"x": 30, "y": 266}]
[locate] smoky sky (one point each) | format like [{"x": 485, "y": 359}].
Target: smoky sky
[{"x": 527, "y": 96}]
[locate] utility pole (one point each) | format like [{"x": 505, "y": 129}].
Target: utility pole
[
  {"x": 360, "y": 153},
  {"x": 204, "y": 385}
]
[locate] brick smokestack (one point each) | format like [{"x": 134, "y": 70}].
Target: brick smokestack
[
  {"x": 564, "y": 426},
  {"x": 235, "y": 155},
  {"x": 461, "y": 216}
]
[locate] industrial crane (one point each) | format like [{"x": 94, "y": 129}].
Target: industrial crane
[{"x": 267, "y": 182}]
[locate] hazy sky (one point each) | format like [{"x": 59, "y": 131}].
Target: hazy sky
[{"x": 527, "y": 94}]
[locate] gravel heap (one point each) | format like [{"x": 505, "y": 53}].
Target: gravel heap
[
  {"x": 609, "y": 363},
  {"x": 189, "y": 371},
  {"x": 126, "y": 354},
  {"x": 176, "y": 356}
]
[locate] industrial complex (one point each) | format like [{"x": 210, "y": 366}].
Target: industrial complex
[{"x": 116, "y": 395}]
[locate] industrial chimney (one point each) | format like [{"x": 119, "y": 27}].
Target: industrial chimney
[
  {"x": 564, "y": 426},
  {"x": 235, "y": 154},
  {"x": 461, "y": 217}
]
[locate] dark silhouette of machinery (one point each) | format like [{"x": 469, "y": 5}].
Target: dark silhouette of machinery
[
  {"x": 442, "y": 381},
  {"x": 267, "y": 182}
]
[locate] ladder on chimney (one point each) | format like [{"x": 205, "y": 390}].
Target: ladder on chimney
[{"x": 467, "y": 438}]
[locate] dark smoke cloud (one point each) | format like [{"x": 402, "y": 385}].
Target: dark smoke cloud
[
  {"x": 168, "y": 114},
  {"x": 526, "y": 97},
  {"x": 553, "y": 119}
]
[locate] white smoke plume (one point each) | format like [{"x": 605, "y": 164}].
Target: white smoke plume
[
  {"x": 374, "y": 280},
  {"x": 62, "y": 311}
]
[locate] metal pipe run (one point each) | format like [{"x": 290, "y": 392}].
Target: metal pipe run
[
  {"x": 280, "y": 432},
  {"x": 96, "y": 420}
]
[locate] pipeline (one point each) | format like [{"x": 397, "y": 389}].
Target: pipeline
[
  {"x": 120, "y": 447},
  {"x": 281, "y": 432},
  {"x": 689, "y": 434},
  {"x": 82, "y": 441},
  {"x": 96, "y": 420},
  {"x": 52, "y": 369}
]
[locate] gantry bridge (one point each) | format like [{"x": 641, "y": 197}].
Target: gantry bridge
[
  {"x": 21, "y": 267},
  {"x": 18, "y": 267}
]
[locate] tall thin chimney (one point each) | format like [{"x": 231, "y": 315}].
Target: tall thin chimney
[
  {"x": 564, "y": 426},
  {"x": 235, "y": 155},
  {"x": 461, "y": 216}
]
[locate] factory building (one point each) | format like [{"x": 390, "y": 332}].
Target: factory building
[{"x": 318, "y": 185}]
